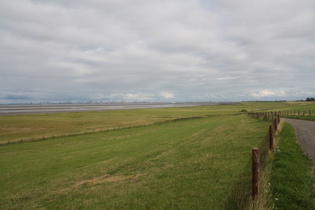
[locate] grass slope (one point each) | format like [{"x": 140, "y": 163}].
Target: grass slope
[
  {"x": 186, "y": 164},
  {"x": 291, "y": 179},
  {"x": 17, "y": 127}
]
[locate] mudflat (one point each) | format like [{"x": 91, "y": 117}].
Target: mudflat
[{"x": 54, "y": 108}]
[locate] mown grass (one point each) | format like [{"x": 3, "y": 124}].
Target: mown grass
[
  {"x": 186, "y": 164},
  {"x": 291, "y": 178},
  {"x": 193, "y": 163},
  {"x": 241, "y": 194}
]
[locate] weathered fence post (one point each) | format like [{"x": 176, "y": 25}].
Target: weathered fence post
[
  {"x": 271, "y": 134},
  {"x": 278, "y": 118},
  {"x": 255, "y": 172},
  {"x": 275, "y": 124}
]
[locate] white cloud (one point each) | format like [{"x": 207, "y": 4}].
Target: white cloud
[
  {"x": 268, "y": 94},
  {"x": 138, "y": 97},
  {"x": 167, "y": 95}
]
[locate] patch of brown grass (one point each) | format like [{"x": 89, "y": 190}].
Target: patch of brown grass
[{"x": 103, "y": 179}]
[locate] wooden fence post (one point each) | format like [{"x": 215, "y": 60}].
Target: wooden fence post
[
  {"x": 255, "y": 172},
  {"x": 275, "y": 124},
  {"x": 271, "y": 137}
]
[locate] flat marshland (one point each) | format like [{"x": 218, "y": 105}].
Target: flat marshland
[{"x": 174, "y": 158}]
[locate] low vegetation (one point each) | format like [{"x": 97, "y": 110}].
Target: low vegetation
[
  {"x": 291, "y": 178},
  {"x": 176, "y": 158},
  {"x": 36, "y": 126}
]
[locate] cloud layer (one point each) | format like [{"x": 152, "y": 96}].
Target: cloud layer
[{"x": 168, "y": 50}]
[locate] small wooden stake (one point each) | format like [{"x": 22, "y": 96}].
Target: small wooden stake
[
  {"x": 271, "y": 137},
  {"x": 255, "y": 172}
]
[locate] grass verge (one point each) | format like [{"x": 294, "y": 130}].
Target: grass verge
[
  {"x": 241, "y": 194},
  {"x": 291, "y": 178}
]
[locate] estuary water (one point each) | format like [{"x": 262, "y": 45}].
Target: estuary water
[{"x": 17, "y": 109}]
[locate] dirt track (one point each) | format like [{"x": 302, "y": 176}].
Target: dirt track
[{"x": 305, "y": 131}]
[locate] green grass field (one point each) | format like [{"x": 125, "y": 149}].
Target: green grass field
[
  {"x": 26, "y": 127},
  {"x": 291, "y": 180},
  {"x": 188, "y": 163}
]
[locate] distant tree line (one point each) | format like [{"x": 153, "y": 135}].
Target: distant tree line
[{"x": 310, "y": 99}]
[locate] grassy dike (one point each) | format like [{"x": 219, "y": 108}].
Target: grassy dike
[
  {"x": 183, "y": 164},
  {"x": 14, "y": 128},
  {"x": 291, "y": 178}
]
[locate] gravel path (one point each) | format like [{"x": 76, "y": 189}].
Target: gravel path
[{"x": 305, "y": 131}]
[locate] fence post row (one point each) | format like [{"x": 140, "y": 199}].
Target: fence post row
[
  {"x": 288, "y": 112},
  {"x": 271, "y": 137},
  {"x": 256, "y": 153},
  {"x": 275, "y": 124}
]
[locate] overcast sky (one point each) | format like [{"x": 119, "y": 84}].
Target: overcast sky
[{"x": 156, "y": 50}]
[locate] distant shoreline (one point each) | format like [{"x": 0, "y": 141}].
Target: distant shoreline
[{"x": 20, "y": 109}]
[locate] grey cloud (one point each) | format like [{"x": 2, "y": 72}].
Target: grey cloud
[
  {"x": 190, "y": 50},
  {"x": 17, "y": 97}
]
